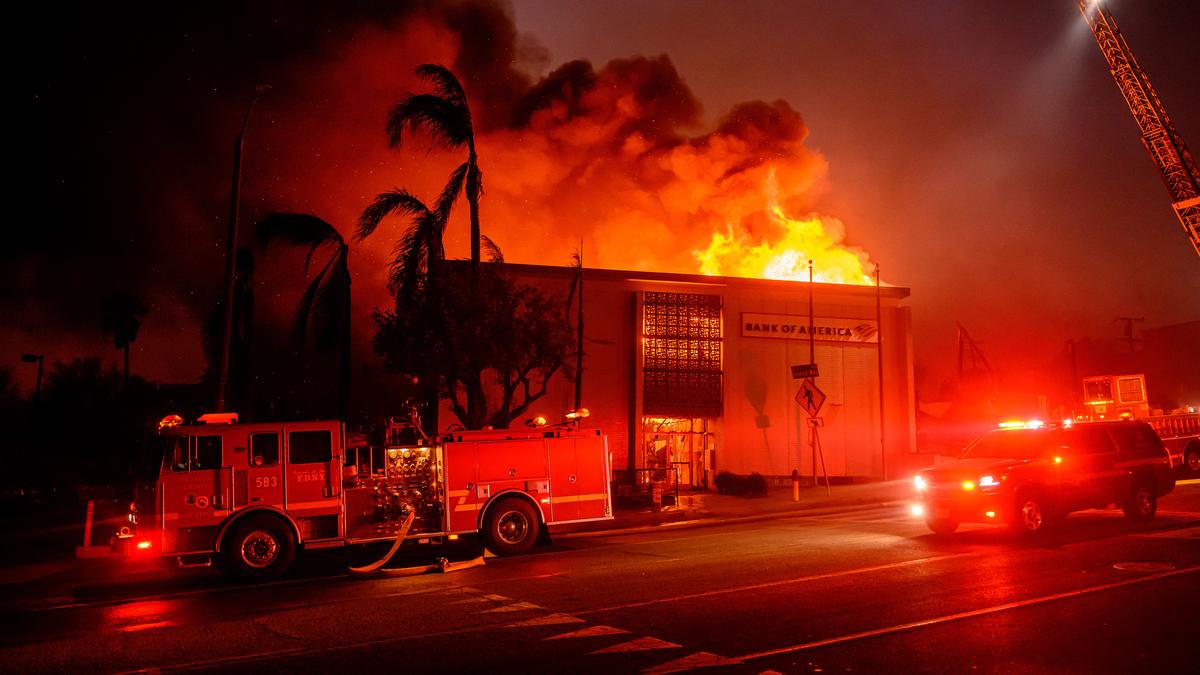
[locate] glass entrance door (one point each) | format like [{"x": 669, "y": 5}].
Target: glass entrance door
[{"x": 676, "y": 446}]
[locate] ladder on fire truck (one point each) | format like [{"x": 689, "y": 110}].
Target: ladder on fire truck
[{"x": 1164, "y": 144}]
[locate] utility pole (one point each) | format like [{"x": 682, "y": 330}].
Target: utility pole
[
  {"x": 1128, "y": 321},
  {"x": 231, "y": 251},
  {"x": 879, "y": 358}
]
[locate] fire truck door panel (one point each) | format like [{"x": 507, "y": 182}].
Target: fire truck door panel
[
  {"x": 591, "y": 457},
  {"x": 564, "y": 479},
  {"x": 462, "y": 493},
  {"x": 510, "y": 461},
  {"x": 261, "y": 481},
  {"x": 309, "y": 490},
  {"x": 187, "y": 498}
]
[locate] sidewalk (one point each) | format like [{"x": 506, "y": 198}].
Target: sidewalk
[{"x": 710, "y": 508}]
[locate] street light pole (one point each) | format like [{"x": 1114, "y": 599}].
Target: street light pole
[
  {"x": 37, "y": 390},
  {"x": 231, "y": 252},
  {"x": 811, "y": 350}
]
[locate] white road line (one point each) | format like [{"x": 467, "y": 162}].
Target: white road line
[
  {"x": 964, "y": 615},
  {"x": 781, "y": 582}
]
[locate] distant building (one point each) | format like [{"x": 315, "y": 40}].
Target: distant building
[{"x": 693, "y": 373}]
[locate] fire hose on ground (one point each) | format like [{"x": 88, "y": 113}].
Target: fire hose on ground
[{"x": 442, "y": 565}]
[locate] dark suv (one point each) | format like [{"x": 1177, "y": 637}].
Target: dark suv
[{"x": 1029, "y": 476}]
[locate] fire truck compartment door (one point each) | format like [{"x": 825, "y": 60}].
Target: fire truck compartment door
[
  {"x": 591, "y": 456},
  {"x": 501, "y": 461},
  {"x": 462, "y": 487},
  {"x": 578, "y": 478},
  {"x": 311, "y": 487},
  {"x": 564, "y": 480}
]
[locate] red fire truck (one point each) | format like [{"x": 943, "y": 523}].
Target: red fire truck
[
  {"x": 1111, "y": 397},
  {"x": 247, "y": 497}
]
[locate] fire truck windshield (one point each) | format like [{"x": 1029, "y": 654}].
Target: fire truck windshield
[{"x": 1012, "y": 444}]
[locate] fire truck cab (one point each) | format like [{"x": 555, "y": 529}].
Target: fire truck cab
[
  {"x": 248, "y": 497},
  {"x": 1114, "y": 397}
]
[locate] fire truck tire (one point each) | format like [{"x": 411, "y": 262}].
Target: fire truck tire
[
  {"x": 1142, "y": 502},
  {"x": 258, "y": 547},
  {"x": 511, "y": 527},
  {"x": 1191, "y": 458}
]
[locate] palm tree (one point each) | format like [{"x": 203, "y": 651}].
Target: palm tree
[
  {"x": 121, "y": 314},
  {"x": 412, "y": 273},
  {"x": 325, "y": 305},
  {"x": 446, "y": 117}
]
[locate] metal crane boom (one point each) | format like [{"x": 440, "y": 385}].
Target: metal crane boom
[{"x": 1166, "y": 147}]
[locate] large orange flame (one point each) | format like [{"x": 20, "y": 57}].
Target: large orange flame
[{"x": 813, "y": 238}]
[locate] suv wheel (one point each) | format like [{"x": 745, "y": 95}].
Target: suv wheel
[
  {"x": 1142, "y": 502},
  {"x": 1030, "y": 515},
  {"x": 942, "y": 526}
]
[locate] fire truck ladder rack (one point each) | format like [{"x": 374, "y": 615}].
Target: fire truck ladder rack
[{"x": 1166, "y": 147}]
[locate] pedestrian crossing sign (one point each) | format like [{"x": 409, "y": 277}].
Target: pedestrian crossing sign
[{"x": 810, "y": 397}]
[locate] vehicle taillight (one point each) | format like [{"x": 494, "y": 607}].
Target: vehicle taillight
[{"x": 143, "y": 545}]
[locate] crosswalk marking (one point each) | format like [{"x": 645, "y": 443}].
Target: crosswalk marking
[
  {"x": 548, "y": 620},
  {"x": 692, "y": 662},
  {"x": 514, "y": 607},
  {"x": 638, "y": 645},
  {"x": 589, "y": 632}
]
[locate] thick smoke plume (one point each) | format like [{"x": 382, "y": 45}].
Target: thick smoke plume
[{"x": 610, "y": 155}]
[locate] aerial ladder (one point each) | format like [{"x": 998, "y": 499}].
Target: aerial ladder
[{"x": 1164, "y": 144}]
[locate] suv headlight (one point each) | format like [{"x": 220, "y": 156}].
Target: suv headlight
[
  {"x": 988, "y": 481},
  {"x": 919, "y": 483}
]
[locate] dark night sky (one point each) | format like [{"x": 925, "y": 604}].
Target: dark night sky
[{"x": 978, "y": 151}]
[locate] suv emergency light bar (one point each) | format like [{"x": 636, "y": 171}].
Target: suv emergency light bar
[
  {"x": 1018, "y": 424},
  {"x": 217, "y": 418}
]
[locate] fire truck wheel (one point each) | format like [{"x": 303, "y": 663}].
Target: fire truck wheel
[
  {"x": 1142, "y": 502},
  {"x": 1191, "y": 458},
  {"x": 511, "y": 527},
  {"x": 258, "y": 547}
]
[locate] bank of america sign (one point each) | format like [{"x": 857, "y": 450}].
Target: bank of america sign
[{"x": 825, "y": 329}]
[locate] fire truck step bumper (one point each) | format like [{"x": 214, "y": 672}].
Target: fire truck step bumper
[{"x": 195, "y": 560}]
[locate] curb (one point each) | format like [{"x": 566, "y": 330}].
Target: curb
[{"x": 715, "y": 520}]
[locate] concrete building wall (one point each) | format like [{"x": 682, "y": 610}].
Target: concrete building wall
[{"x": 761, "y": 428}]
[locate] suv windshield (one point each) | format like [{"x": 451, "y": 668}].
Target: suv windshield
[{"x": 1012, "y": 444}]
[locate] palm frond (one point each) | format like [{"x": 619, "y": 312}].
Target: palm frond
[
  {"x": 450, "y": 192},
  {"x": 444, "y": 82},
  {"x": 448, "y": 124},
  {"x": 494, "y": 253},
  {"x": 304, "y": 310},
  {"x": 297, "y": 229},
  {"x": 397, "y": 201}
]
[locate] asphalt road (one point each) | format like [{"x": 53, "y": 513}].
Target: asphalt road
[{"x": 862, "y": 591}]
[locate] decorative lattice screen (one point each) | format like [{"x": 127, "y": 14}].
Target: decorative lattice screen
[{"x": 681, "y": 350}]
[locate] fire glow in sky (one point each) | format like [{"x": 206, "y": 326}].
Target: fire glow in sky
[{"x": 704, "y": 137}]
